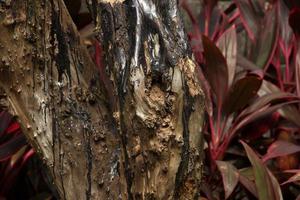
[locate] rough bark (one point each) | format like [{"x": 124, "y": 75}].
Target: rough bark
[
  {"x": 143, "y": 139},
  {"x": 160, "y": 103},
  {"x": 49, "y": 82}
]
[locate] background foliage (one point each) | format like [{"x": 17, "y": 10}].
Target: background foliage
[{"x": 248, "y": 55}]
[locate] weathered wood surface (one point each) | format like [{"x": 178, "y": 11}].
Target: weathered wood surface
[{"x": 142, "y": 140}]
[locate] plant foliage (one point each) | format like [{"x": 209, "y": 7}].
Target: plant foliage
[{"x": 249, "y": 62}]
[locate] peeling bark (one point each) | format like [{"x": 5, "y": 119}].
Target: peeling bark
[{"x": 147, "y": 145}]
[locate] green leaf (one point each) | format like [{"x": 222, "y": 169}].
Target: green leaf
[
  {"x": 276, "y": 186},
  {"x": 247, "y": 172},
  {"x": 230, "y": 176},
  {"x": 266, "y": 185}
]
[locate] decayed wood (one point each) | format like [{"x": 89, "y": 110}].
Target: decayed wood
[
  {"x": 142, "y": 141},
  {"x": 49, "y": 82},
  {"x": 160, "y": 102}
]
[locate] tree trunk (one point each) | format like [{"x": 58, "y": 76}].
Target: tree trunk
[{"x": 138, "y": 136}]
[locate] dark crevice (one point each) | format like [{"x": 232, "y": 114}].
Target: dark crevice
[
  {"x": 108, "y": 24},
  {"x": 54, "y": 133},
  {"x": 184, "y": 163},
  {"x": 61, "y": 57},
  {"x": 63, "y": 68},
  {"x": 56, "y": 139},
  {"x": 61, "y": 170},
  {"x": 89, "y": 156},
  {"x": 128, "y": 172},
  {"x": 73, "y": 42}
]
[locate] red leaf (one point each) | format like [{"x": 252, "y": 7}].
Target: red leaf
[
  {"x": 230, "y": 176},
  {"x": 292, "y": 3},
  {"x": 243, "y": 91},
  {"x": 206, "y": 89},
  {"x": 297, "y": 66},
  {"x": 285, "y": 40},
  {"x": 280, "y": 148},
  {"x": 215, "y": 70},
  {"x": 266, "y": 43},
  {"x": 5, "y": 120},
  {"x": 247, "y": 178},
  {"x": 12, "y": 146},
  {"x": 210, "y": 17},
  {"x": 294, "y": 178},
  {"x": 290, "y": 112},
  {"x": 249, "y": 185},
  {"x": 259, "y": 127},
  {"x": 249, "y": 18},
  {"x": 12, "y": 171},
  {"x": 294, "y": 18},
  {"x": 228, "y": 45},
  {"x": 210, "y": 3},
  {"x": 245, "y": 63},
  {"x": 13, "y": 128},
  {"x": 267, "y": 100},
  {"x": 257, "y": 114}
]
